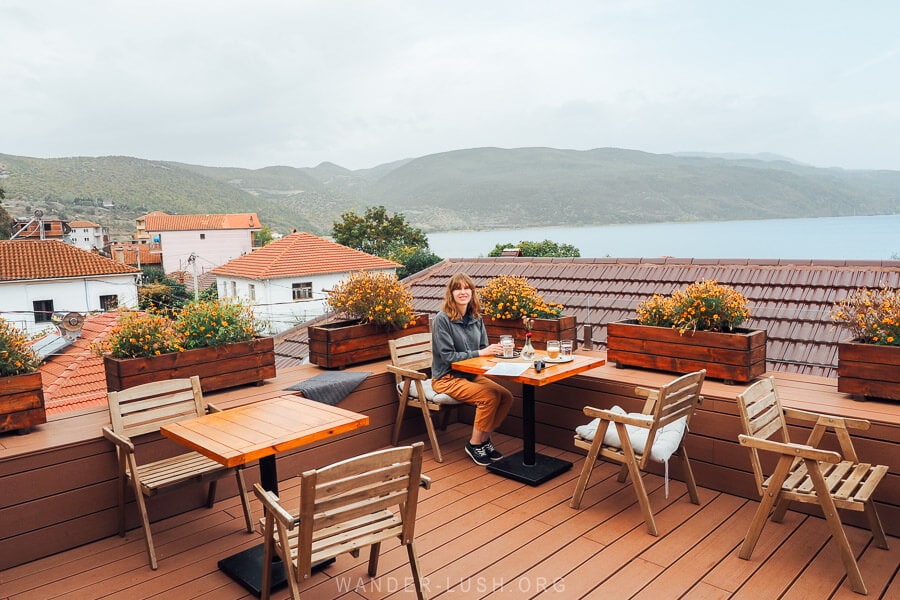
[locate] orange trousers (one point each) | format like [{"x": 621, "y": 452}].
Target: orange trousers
[{"x": 491, "y": 400}]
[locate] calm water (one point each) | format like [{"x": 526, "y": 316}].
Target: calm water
[{"x": 837, "y": 238}]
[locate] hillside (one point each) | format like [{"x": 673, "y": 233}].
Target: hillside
[{"x": 481, "y": 188}]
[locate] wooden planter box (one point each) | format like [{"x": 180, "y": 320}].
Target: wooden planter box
[
  {"x": 868, "y": 370},
  {"x": 21, "y": 402},
  {"x": 562, "y": 328},
  {"x": 733, "y": 357},
  {"x": 344, "y": 343},
  {"x": 219, "y": 367}
]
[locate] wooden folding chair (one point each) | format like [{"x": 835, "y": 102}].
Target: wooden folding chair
[
  {"x": 410, "y": 355},
  {"x": 805, "y": 473},
  {"x": 344, "y": 507},
  {"x": 143, "y": 409},
  {"x": 655, "y": 434}
]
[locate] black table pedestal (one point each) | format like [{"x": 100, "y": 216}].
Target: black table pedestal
[
  {"x": 543, "y": 468},
  {"x": 527, "y": 466},
  {"x": 246, "y": 567}
]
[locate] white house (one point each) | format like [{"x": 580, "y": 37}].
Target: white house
[
  {"x": 87, "y": 235},
  {"x": 198, "y": 242},
  {"x": 41, "y": 277},
  {"x": 286, "y": 281}
]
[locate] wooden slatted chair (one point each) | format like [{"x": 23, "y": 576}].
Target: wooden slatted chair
[
  {"x": 636, "y": 438},
  {"x": 358, "y": 502},
  {"x": 805, "y": 473},
  {"x": 143, "y": 409},
  {"x": 410, "y": 355}
]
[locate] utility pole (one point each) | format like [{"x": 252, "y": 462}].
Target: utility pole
[{"x": 193, "y": 260}]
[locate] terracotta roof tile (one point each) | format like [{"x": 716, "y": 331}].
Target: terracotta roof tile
[
  {"x": 51, "y": 259},
  {"x": 160, "y": 221},
  {"x": 301, "y": 254},
  {"x": 74, "y": 378},
  {"x": 790, "y": 299}
]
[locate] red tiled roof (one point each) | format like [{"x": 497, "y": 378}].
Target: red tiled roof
[
  {"x": 150, "y": 254},
  {"x": 791, "y": 300},
  {"x": 50, "y": 259},
  {"x": 160, "y": 221},
  {"x": 74, "y": 378},
  {"x": 300, "y": 254},
  {"x": 82, "y": 224},
  {"x": 204, "y": 280}
]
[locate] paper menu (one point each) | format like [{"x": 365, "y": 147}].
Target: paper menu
[{"x": 508, "y": 369}]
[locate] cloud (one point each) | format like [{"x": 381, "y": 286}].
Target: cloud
[{"x": 361, "y": 83}]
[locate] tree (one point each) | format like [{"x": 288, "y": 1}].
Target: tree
[
  {"x": 262, "y": 237},
  {"x": 414, "y": 260},
  {"x": 547, "y": 248},
  {"x": 377, "y": 232},
  {"x": 160, "y": 292},
  {"x": 5, "y": 220},
  {"x": 387, "y": 236}
]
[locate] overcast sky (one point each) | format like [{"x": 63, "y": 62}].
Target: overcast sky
[{"x": 360, "y": 83}]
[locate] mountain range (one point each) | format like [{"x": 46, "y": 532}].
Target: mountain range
[{"x": 478, "y": 188}]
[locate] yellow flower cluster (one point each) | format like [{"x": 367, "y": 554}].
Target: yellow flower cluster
[
  {"x": 511, "y": 297},
  {"x": 139, "y": 334},
  {"x": 377, "y": 298},
  {"x": 16, "y": 356},
  {"x": 702, "y": 306},
  {"x": 215, "y": 322},
  {"x": 872, "y": 316},
  {"x": 197, "y": 325}
]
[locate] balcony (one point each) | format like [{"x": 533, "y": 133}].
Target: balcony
[{"x": 478, "y": 535}]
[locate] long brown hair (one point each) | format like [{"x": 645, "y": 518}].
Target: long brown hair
[{"x": 459, "y": 281}]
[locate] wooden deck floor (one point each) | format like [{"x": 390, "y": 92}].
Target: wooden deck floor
[{"x": 483, "y": 536}]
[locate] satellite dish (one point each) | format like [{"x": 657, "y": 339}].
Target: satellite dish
[
  {"x": 38, "y": 213},
  {"x": 72, "y": 321}
]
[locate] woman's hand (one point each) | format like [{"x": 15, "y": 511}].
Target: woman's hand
[{"x": 491, "y": 350}]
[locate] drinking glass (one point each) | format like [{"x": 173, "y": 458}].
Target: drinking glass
[
  {"x": 508, "y": 345},
  {"x": 565, "y": 348},
  {"x": 553, "y": 349}
]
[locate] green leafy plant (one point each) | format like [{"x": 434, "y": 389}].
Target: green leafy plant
[
  {"x": 702, "y": 306},
  {"x": 16, "y": 356},
  {"x": 214, "y": 323},
  {"x": 197, "y": 325},
  {"x": 377, "y": 298},
  {"x": 511, "y": 297},
  {"x": 871, "y": 316}
]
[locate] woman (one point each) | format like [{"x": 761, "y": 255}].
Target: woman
[{"x": 458, "y": 333}]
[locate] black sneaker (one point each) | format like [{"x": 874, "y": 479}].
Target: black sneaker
[
  {"x": 479, "y": 454},
  {"x": 493, "y": 453}
]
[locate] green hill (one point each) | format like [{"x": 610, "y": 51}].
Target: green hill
[{"x": 480, "y": 188}]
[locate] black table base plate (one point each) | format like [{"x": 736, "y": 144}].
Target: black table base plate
[
  {"x": 246, "y": 568},
  {"x": 544, "y": 468}
]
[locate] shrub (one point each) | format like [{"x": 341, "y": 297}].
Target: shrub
[
  {"x": 197, "y": 325},
  {"x": 511, "y": 297},
  {"x": 377, "y": 298},
  {"x": 871, "y": 316},
  {"x": 702, "y": 306},
  {"x": 16, "y": 356}
]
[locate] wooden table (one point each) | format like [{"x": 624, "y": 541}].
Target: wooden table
[
  {"x": 528, "y": 466},
  {"x": 258, "y": 432}
]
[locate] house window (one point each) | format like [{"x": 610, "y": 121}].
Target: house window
[
  {"x": 234, "y": 288},
  {"x": 252, "y": 291},
  {"x": 202, "y": 236},
  {"x": 302, "y": 291},
  {"x": 43, "y": 310},
  {"x": 109, "y": 302}
]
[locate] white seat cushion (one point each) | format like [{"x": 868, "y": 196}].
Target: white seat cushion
[
  {"x": 664, "y": 444},
  {"x": 430, "y": 394}
]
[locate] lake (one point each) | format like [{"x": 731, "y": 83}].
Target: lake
[{"x": 828, "y": 238}]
